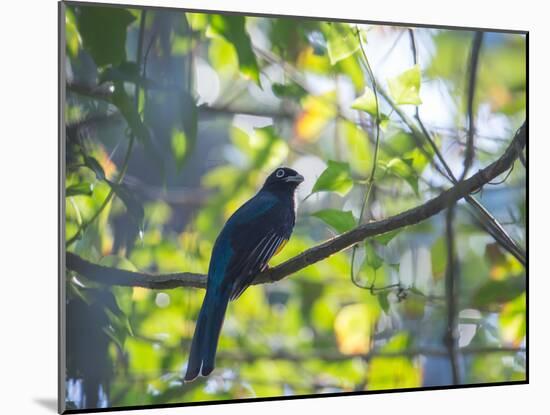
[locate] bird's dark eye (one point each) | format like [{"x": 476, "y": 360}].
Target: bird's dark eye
[{"x": 279, "y": 173}]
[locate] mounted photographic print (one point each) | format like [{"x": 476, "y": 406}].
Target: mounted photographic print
[{"x": 258, "y": 207}]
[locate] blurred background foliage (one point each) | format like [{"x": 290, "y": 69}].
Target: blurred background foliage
[{"x": 174, "y": 119}]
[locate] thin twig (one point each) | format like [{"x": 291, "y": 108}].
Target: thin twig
[
  {"x": 370, "y": 180},
  {"x": 451, "y": 290},
  {"x": 146, "y": 57},
  {"x": 413, "y": 46},
  {"x": 493, "y": 227},
  {"x": 503, "y": 179},
  {"x": 522, "y": 158},
  {"x": 107, "y": 199},
  {"x": 472, "y": 77},
  {"x": 392, "y": 47},
  {"x": 139, "y": 52},
  {"x": 496, "y": 230}
]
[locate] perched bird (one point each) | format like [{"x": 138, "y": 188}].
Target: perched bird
[{"x": 257, "y": 231}]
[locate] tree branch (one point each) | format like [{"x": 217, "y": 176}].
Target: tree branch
[
  {"x": 493, "y": 227},
  {"x": 472, "y": 77},
  {"x": 452, "y": 293},
  {"x": 113, "y": 276}
]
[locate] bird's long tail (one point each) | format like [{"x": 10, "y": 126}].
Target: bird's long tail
[{"x": 207, "y": 332}]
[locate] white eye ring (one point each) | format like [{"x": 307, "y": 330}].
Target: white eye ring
[{"x": 280, "y": 173}]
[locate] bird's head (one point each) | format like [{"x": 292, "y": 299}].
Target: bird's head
[{"x": 283, "y": 178}]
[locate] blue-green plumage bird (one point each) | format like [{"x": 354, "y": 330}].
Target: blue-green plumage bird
[{"x": 251, "y": 236}]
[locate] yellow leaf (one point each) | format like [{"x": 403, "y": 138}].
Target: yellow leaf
[
  {"x": 317, "y": 111},
  {"x": 353, "y": 328},
  {"x": 512, "y": 321},
  {"x": 393, "y": 372},
  {"x": 106, "y": 163},
  {"x": 139, "y": 293},
  {"x": 309, "y": 61}
]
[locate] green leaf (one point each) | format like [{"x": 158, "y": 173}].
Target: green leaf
[
  {"x": 117, "y": 324},
  {"x": 233, "y": 29},
  {"x": 341, "y": 42},
  {"x": 451, "y": 51},
  {"x": 189, "y": 119},
  {"x": 373, "y": 260},
  {"x": 439, "y": 258},
  {"x": 224, "y": 176},
  {"x": 172, "y": 119},
  {"x": 513, "y": 321},
  {"x": 384, "y": 121},
  {"x": 395, "y": 267},
  {"x": 71, "y": 33},
  {"x": 388, "y": 373},
  {"x": 288, "y": 90},
  {"x": 271, "y": 149},
  {"x": 183, "y": 134},
  {"x": 119, "y": 262},
  {"x": 399, "y": 342},
  {"x": 197, "y": 21},
  {"x": 336, "y": 178},
  {"x": 84, "y": 188},
  {"x": 419, "y": 159},
  {"x": 242, "y": 141},
  {"x": 383, "y": 301},
  {"x": 223, "y": 57},
  {"x": 133, "y": 206},
  {"x": 366, "y": 102},
  {"x": 94, "y": 165},
  {"x": 351, "y": 66},
  {"x": 103, "y": 33},
  {"x": 494, "y": 292},
  {"x": 359, "y": 153},
  {"x": 125, "y": 105},
  {"x": 124, "y": 72},
  {"x": 402, "y": 169},
  {"x": 264, "y": 148},
  {"x": 340, "y": 221},
  {"x": 179, "y": 147},
  {"x": 119, "y": 327},
  {"x": 398, "y": 143},
  {"x": 385, "y": 238},
  {"x": 405, "y": 88}
]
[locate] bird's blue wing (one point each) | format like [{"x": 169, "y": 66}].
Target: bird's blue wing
[
  {"x": 242, "y": 272},
  {"x": 252, "y": 236}
]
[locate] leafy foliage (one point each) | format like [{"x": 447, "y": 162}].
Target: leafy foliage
[
  {"x": 366, "y": 102},
  {"x": 103, "y": 33},
  {"x": 341, "y": 42},
  {"x": 340, "y": 221},
  {"x": 83, "y": 188},
  {"x": 232, "y": 28},
  {"x": 405, "y": 89},
  {"x": 336, "y": 178},
  {"x": 205, "y": 139}
]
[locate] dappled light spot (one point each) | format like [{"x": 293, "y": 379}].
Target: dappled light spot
[{"x": 162, "y": 300}]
